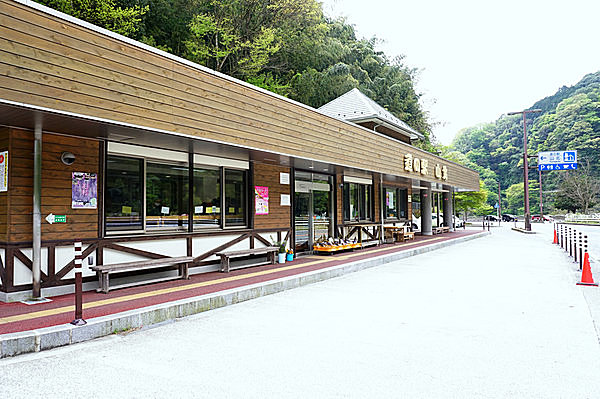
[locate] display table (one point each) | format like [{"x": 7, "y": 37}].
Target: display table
[{"x": 372, "y": 232}]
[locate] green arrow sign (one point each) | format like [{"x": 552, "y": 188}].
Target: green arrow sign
[{"x": 52, "y": 218}]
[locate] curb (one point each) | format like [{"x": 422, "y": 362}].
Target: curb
[{"x": 66, "y": 334}]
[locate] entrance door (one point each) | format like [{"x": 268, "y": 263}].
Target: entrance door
[{"x": 313, "y": 206}]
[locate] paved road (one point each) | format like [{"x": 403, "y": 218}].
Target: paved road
[{"x": 498, "y": 317}]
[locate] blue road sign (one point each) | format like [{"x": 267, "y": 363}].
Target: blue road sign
[{"x": 558, "y": 166}]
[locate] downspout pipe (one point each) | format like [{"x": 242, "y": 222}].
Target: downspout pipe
[{"x": 37, "y": 213}]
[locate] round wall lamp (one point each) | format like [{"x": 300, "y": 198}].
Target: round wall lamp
[{"x": 67, "y": 158}]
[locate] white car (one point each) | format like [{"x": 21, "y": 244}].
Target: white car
[{"x": 416, "y": 222}]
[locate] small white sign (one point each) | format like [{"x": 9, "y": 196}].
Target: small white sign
[
  {"x": 199, "y": 209},
  {"x": 284, "y": 178},
  {"x": 286, "y": 200},
  {"x": 164, "y": 210}
]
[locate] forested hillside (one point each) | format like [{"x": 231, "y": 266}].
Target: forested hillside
[
  {"x": 570, "y": 121},
  {"x": 286, "y": 46}
]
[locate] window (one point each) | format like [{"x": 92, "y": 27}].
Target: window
[
  {"x": 124, "y": 193},
  {"x": 151, "y": 195},
  {"x": 166, "y": 196},
  {"x": 396, "y": 203},
  {"x": 235, "y": 197},
  {"x": 358, "y": 201},
  {"x": 207, "y": 198}
]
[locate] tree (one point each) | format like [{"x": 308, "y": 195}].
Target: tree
[
  {"x": 473, "y": 201},
  {"x": 579, "y": 188},
  {"x": 104, "y": 13}
]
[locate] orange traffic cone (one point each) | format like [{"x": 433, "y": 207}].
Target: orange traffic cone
[
  {"x": 555, "y": 238},
  {"x": 586, "y": 274}
]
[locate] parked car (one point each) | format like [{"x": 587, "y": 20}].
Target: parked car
[
  {"x": 538, "y": 218},
  {"x": 491, "y": 218},
  {"x": 507, "y": 217},
  {"x": 416, "y": 222}
]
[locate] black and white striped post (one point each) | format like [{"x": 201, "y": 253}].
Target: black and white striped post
[
  {"x": 570, "y": 241},
  {"x": 580, "y": 250},
  {"x": 78, "y": 287}
]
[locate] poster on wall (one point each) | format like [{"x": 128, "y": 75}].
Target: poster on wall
[
  {"x": 261, "y": 200},
  {"x": 84, "y": 194},
  {"x": 4, "y": 171}
]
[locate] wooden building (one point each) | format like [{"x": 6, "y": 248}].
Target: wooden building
[{"x": 143, "y": 155}]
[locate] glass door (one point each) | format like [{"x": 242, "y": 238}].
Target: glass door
[{"x": 313, "y": 206}]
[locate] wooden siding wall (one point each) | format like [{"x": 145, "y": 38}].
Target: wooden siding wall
[
  {"x": 4, "y": 146},
  {"x": 279, "y": 216},
  {"x": 56, "y": 187},
  {"x": 67, "y": 67}
]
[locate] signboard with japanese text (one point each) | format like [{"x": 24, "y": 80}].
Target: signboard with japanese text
[
  {"x": 84, "y": 193},
  {"x": 4, "y": 171},
  {"x": 261, "y": 200},
  {"x": 557, "y": 160}
]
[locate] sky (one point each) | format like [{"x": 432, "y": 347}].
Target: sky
[{"x": 479, "y": 59}]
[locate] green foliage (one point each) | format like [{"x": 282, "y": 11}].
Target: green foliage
[
  {"x": 104, "y": 13},
  {"x": 474, "y": 201},
  {"x": 570, "y": 120},
  {"x": 286, "y": 46},
  {"x": 578, "y": 190}
]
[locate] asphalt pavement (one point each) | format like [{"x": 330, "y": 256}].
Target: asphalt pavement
[{"x": 496, "y": 317}]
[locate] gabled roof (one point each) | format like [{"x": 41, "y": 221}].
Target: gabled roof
[{"x": 355, "y": 106}]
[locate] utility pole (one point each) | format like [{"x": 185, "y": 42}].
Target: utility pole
[
  {"x": 541, "y": 202},
  {"x": 499, "y": 205},
  {"x": 525, "y": 165}
]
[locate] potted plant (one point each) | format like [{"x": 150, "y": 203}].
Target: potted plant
[
  {"x": 290, "y": 255},
  {"x": 282, "y": 250}
]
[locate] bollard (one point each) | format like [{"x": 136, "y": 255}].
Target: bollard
[
  {"x": 580, "y": 251},
  {"x": 575, "y": 246},
  {"x": 584, "y": 246},
  {"x": 570, "y": 241},
  {"x": 78, "y": 288},
  {"x": 561, "y": 236}
]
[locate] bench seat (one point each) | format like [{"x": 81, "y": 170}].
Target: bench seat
[
  {"x": 227, "y": 255},
  {"x": 103, "y": 271},
  {"x": 408, "y": 235}
]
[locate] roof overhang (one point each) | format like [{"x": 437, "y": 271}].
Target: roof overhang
[{"x": 411, "y": 133}]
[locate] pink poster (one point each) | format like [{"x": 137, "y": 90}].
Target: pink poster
[{"x": 261, "y": 197}]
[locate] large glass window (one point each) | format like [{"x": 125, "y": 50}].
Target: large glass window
[
  {"x": 152, "y": 195},
  {"x": 395, "y": 203},
  {"x": 207, "y": 198},
  {"x": 166, "y": 196},
  {"x": 124, "y": 195},
  {"x": 358, "y": 201},
  {"x": 235, "y": 197}
]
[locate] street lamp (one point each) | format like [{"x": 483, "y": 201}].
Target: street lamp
[{"x": 525, "y": 166}]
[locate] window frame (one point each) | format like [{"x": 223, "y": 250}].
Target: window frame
[
  {"x": 365, "y": 194},
  {"x": 222, "y": 225},
  {"x": 398, "y": 208}
]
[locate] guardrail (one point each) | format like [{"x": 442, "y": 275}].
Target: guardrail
[
  {"x": 573, "y": 241},
  {"x": 573, "y": 217}
]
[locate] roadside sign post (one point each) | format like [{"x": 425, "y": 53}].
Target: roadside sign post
[{"x": 557, "y": 160}]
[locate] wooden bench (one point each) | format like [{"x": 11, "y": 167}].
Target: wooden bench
[
  {"x": 408, "y": 235},
  {"x": 437, "y": 230},
  {"x": 445, "y": 229},
  {"x": 103, "y": 271},
  {"x": 271, "y": 253}
]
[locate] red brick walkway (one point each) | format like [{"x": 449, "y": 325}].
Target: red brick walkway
[{"x": 15, "y": 317}]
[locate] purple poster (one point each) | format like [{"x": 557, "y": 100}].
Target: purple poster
[{"x": 84, "y": 194}]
